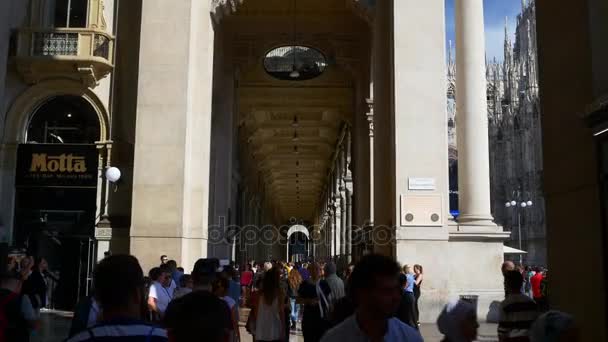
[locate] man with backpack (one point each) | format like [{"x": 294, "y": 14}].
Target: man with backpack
[{"x": 17, "y": 317}]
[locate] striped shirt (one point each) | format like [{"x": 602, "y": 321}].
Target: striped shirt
[
  {"x": 517, "y": 313},
  {"x": 121, "y": 330}
]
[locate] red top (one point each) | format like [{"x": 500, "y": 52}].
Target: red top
[
  {"x": 246, "y": 278},
  {"x": 535, "y": 282}
]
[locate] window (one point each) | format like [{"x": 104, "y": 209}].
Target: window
[
  {"x": 64, "y": 120},
  {"x": 71, "y": 13},
  {"x": 295, "y": 63}
]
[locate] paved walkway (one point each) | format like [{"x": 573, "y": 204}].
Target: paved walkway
[{"x": 56, "y": 325}]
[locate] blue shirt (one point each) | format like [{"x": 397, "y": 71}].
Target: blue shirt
[
  {"x": 121, "y": 330},
  {"x": 177, "y": 275},
  {"x": 410, "y": 283},
  {"x": 234, "y": 292},
  {"x": 304, "y": 273},
  {"x": 349, "y": 331}
]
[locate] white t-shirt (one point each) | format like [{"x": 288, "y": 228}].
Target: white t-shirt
[
  {"x": 349, "y": 331},
  {"x": 162, "y": 294}
]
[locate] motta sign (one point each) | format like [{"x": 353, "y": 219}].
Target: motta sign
[
  {"x": 60, "y": 165},
  {"x": 42, "y": 162}
]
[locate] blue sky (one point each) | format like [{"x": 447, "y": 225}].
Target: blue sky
[{"x": 495, "y": 12}]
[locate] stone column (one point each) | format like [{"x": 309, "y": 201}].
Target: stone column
[
  {"x": 370, "y": 121},
  {"x": 173, "y": 129},
  {"x": 348, "y": 237},
  {"x": 222, "y": 148},
  {"x": 472, "y": 119},
  {"x": 342, "y": 192},
  {"x": 343, "y": 222},
  {"x": 338, "y": 213},
  {"x": 328, "y": 235},
  {"x": 348, "y": 185}
]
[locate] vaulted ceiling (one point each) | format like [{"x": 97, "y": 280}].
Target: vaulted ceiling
[
  {"x": 288, "y": 130},
  {"x": 290, "y": 133}
]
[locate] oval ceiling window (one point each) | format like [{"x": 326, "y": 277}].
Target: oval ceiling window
[{"x": 294, "y": 63}]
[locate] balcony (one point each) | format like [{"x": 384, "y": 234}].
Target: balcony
[{"x": 77, "y": 53}]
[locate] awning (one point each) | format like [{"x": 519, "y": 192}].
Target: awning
[{"x": 511, "y": 250}]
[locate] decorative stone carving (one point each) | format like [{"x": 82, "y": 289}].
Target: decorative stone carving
[{"x": 87, "y": 76}]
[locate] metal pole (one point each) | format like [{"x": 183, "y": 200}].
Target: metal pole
[
  {"x": 519, "y": 234},
  {"x": 69, "y": 12}
]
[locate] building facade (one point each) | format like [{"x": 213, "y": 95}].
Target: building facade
[
  {"x": 515, "y": 140},
  {"x": 254, "y": 129}
]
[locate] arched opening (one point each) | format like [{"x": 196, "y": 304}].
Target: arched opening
[
  {"x": 298, "y": 243},
  {"x": 56, "y": 193},
  {"x": 297, "y": 127},
  {"x": 64, "y": 119}
]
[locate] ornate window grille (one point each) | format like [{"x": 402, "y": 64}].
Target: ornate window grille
[{"x": 55, "y": 44}]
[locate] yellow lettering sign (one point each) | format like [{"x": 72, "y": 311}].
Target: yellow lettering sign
[
  {"x": 38, "y": 162},
  {"x": 41, "y": 162}
]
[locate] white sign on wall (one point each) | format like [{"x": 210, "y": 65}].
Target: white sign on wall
[{"x": 421, "y": 183}]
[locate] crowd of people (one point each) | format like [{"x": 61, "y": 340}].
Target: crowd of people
[
  {"x": 524, "y": 313},
  {"x": 535, "y": 283},
  {"x": 373, "y": 300},
  {"x": 23, "y": 293}
]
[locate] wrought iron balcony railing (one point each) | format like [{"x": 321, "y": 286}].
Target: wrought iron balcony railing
[{"x": 64, "y": 52}]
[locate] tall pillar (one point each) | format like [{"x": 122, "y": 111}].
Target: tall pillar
[
  {"x": 384, "y": 205},
  {"x": 472, "y": 117},
  {"x": 348, "y": 236},
  {"x": 222, "y": 149},
  {"x": 173, "y": 129},
  {"x": 338, "y": 225},
  {"x": 370, "y": 122},
  {"x": 342, "y": 195},
  {"x": 348, "y": 186}
]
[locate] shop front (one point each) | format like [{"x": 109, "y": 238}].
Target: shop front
[{"x": 56, "y": 183}]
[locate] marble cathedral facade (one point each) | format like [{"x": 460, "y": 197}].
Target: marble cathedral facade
[{"x": 515, "y": 139}]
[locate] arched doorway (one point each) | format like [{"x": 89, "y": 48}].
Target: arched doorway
[
  {"x": 56, "y": 193},
  {"x": 298, "y": 243}
]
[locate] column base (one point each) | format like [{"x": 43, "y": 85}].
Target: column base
[
  {"x": 467, "y": 262},
  {"x": 459, "y": 231},
  {"x": 475, "y": 220}
]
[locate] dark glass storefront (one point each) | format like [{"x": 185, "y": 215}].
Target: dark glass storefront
[{"x": 56, "y": 192}]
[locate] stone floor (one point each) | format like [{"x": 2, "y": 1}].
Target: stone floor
[{"x": 56, "y": 324}]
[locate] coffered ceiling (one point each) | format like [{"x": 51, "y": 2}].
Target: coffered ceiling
[
  {"x": 289, "y": 134},
  {"x": 288, "y": 130}
]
